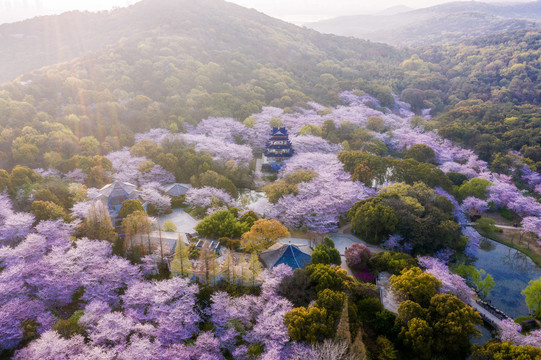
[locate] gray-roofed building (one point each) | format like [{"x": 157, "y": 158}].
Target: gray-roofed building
[
  {"x": 113, "y": 195},
  {"x": 295, "y": 256},
  {"x": 176, "y": 189}
]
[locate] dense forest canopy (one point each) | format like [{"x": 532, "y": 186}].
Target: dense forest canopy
[{"x": 147, "y": 79}]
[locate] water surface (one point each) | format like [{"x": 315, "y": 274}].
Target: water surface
[{"x": 511, "y": 270}]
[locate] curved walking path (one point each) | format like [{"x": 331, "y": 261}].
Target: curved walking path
[{"x": 498, "y": 226}]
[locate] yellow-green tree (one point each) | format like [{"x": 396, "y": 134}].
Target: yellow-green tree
[
  {"x": 48, "y": 210},
  {"x": 98, "y": 223},
  {"x": 136, "y": 223},
  {"x": 241, "y": 269},
  {"x": 181, "y": 259},
  {"x": 415, "y": 285},
  {"x": 254, "y": 267},
  {"x": 533, "y": 296},
  {"x": 310, "y": 324},
  {"x": 228, "y": 267},
  {"x": 207, "y": 265}
]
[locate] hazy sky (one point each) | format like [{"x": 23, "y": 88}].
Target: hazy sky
[{"x": 291, "y": 10}]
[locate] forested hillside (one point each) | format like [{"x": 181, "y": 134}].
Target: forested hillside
[
  {"x": 185, "y": 73},
  {"x": 491, "y": 86},
  {"x": 446, "y": 23},
  {"x": 184, "y": 61},
  {"x": 201, "y": 25}
]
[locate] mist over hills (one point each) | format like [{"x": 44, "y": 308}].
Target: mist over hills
[
  {"x": 450, "y": 22},
  {"x": 54, "y": 39},
  {"x": 181, "y": 60}
]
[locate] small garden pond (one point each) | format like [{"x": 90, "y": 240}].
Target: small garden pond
[{"x": 511, "y": 270}]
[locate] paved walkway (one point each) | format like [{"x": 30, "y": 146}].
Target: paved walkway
[
  {"x": 185, "y": 222},
  {"x": 343, "y": 241},
  {"x": 388, "y": 298},
  {"x": 487, "y": 315},
  {"x": 508, "y": 227},
  {"x": 498, "y": 226}
]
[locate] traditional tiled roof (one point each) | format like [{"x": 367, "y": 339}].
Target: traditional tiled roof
[
  {"x": 118, "y": 192},
  {"x": 288, "y": 254},
  {"x": 279, "y": 144},
  {"x": 279, "y": 133},
  {"x": 177, "y": 189}
]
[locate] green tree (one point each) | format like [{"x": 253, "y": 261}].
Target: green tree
[
  {"x": 415, "y": 285},
  {"x": 533, "y": 297},
  {"x": 325, "y": 254},
  {"x": 310, "y": 324},
  {"x": 22, "y": 176},
  {"x": 329, "y": 277},
  {"x": 89, "y": 145},
  {"x": 386, "y": 349},
  {"x": 475, "y": 187},
  {"x": 297, "y": 288},
  {"x": 47, "y": 210},
  {"x": 69, "y": 327},
  {"x": 420, "y": 152},
  {"x": 228, "y": 267},
  {"x": 26, "y": 154},
  {"x": 4, "y": 180},
  {"x": 409, "y": 310},
  {"x": 169, "y": 226},
  {"x": 457, "y": 178},
  {"x": 332, "y": 301},
  {"x": 249, "y": 218},
  {"x": 454, "y": 323},
  {"x": 129, "y": 207},
  {"x": 375, "y": 123},
  {"x": 275, "y": 122},
  {"x": 487, "y": 225},
  {"x": 289, "y": 185},
  {"x": 505, "y": 351},
  {"x": 418, "y": 335},
  {"x": 482, "y": 281},
  {"x": 222, "y": 223},
  {"x": 213, "y": 179},
  {"x": 374, "y": 221},
  {"x": 134, "y": 224}
]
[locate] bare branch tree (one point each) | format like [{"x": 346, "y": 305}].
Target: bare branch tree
[{"x": 333, "y": 350}]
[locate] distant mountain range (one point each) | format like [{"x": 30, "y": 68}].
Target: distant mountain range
[
  {"x": 446, "y": 23},
  {"x": 48, "y": 40}
]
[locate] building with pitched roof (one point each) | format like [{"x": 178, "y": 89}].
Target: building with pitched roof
[
  {"x": 295, "y": 256},
  {"x": 176, "y": 189},
  {"x": 277, "y": 150},
  {"x": 113, "y": 195}
]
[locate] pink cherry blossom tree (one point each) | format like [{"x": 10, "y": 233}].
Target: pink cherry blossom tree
[
  {"x": 474, "y": 205},
  {"x": 450, "y": 283},
  {"x": 203, "y": 197},
  {"x": 532, "y": 225}
]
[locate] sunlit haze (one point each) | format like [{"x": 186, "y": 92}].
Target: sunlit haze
[{"x": 297, "y": 11}]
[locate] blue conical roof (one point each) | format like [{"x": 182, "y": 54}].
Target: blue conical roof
[{"x": 290, "y": 255}]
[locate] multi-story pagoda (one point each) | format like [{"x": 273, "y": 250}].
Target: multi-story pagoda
[{"x": 278, "y": 150}]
